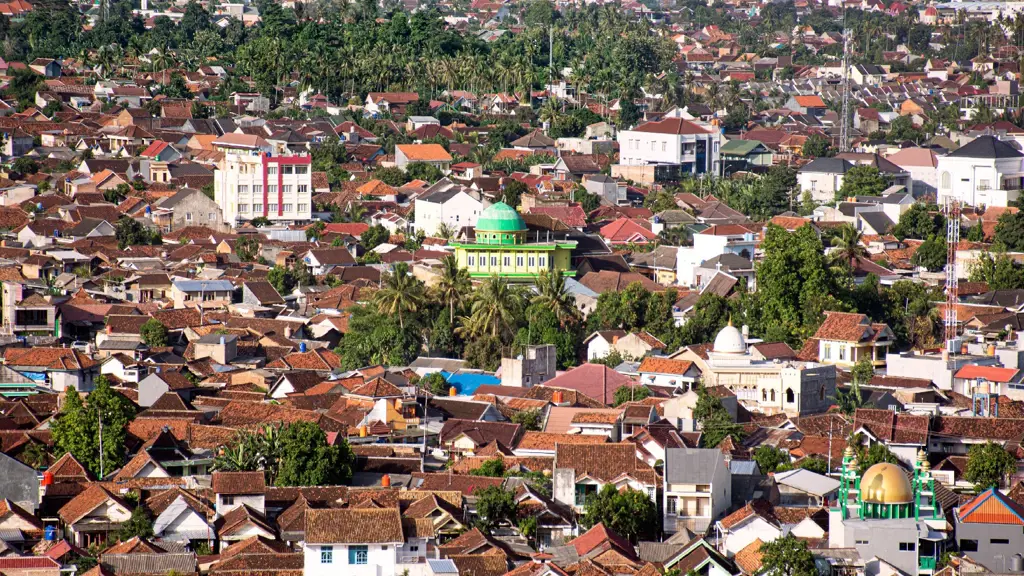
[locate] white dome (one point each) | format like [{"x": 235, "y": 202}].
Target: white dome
[{"x": 730, "y": 341}]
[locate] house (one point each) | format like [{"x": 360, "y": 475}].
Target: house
[
  {"x": 846, "y": 338},
  {"x": 594, "y": 380},
  {"x": 93, "y": 516},
  {"x": 354, "y": 541},
  {"x": 179, "y": 516},
  {"x": 658, "y": 264},
  {"x": 378, "y": 102},
  {"x": 988, "y": 529},
  {"x": 697, "y": 489},
  {"x": 805, "y": 489},
  {"x": 322, "y": 261},
  {"x": 904, "y": 434},
  {"x": 55, "y": 368},
  {"x": 710, "y": 243},
  {"x": 158, "y": 383},
  {"x": 811, "y": 104},
  {"x": 626, "y": 231},
  {"x": 467, "y": 436},
  {"x": 676, "y": 375},
  {"x": 209, "y": 293},
  {"x": 822, "y": 178},
  {"x": 433, "y": 154},
  {"x": 985, "y": 171},
  {"x": 236, "y": 489},
  {"x": 628, "y": 344},
  {"x": 922, "y": 165},
  {"x": 449, "y": 204},
  {"x": 744, "y": 156},
  {"x": 582, "y": 470},
  {"x": 673, "y": 146},
  {"x": 187, "y": 207}
]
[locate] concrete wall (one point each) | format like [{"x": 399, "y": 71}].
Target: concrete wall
[{"x": 991, "y": 553}]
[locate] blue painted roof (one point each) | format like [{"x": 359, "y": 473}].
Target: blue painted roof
[{"x": 467, "y": 383}]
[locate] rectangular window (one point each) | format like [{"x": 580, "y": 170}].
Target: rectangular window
[
  {"x": 303, "y": 188},
  {"x": 271, "y": 188},
  {"x": 286, "y": 188},
  {"x": 663, "y": 146},
  {"x": 670, "y": 505},
  {"x": 828, "y": 351},
  {"x": 257, "y": 188},
  {"x": 533, "y": 261},
  {"x": 327, "y": 554},
  {"x": 908, "y": 546},
  {"x": 470, "y": 261},
  {"x": 257, "y": 207},
  {"x": 303, "y": 208},
  {"x": 301, "y": 169},
  {"x": 999, "y": 541},
  {"x": 227, "y": 500},
  {"x": 271, "y": 170},
  {"x": 494, "y": 260},
  {"x": 543, "y": 261},
  {"x": 272, "y": 207},
  {"x": 243, "y": 188},
  {"x": 862, "y": 542},
  {"x": 243, "y": 208},
  {"x": 968, "y": 545},
  {"x": 287, "y": 208},
  {"x": 507, "y": 261},
  {"x": 287, "y": 169},
  {"x": 188, "y": 216},
  {"x": 842, "y": 352},
  {"x": 519, "y": 261},
  {"x": 211, "y": 216},
  {"x": 357, "y": 554}
]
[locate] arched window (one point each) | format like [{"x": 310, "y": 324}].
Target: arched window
[
  {"x": 821, "y": 393},
  {"x": 946, "y": 181},
  {"x": 773, "y": 395},
  {"x": 764, "y": 395},
  {"x": 790, "y": 397}
]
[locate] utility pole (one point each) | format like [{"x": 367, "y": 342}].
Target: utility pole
[{"x": 101, "y": 445}]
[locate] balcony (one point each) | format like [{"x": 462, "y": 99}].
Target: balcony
[{"x": 927, "y": 564}]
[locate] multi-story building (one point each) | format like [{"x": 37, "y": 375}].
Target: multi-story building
[
  {"x": 250, "y": 185},
  {"x": 710, "y": 243},
  {"x": 676, "y": 144},
  {"x": 984, "y": 171},
  {"x": 697, "y": 488}
]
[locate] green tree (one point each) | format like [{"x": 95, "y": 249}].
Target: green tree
[
  {"x": 495, "y": 311},
  {"x": 902, "y": 129},
  {"x": 769, "y": 458},
  {"x": 392, "y": 176},
  {"x": 715, "y": 422},
  {"x": 139, "y": 524},
  {"x": 376, "y": 338},
  {"x": 281, "y": 279},
  {"x": 247, "y": 248},
  {"x": 999, "y": 271},
  {"x": 988, "y": 465},
  {"x": 814, "y": 464},
  {"x": 631, "y": 394},
  {"x": 374, "y": 236},
  {"x": 530, "y": 420},
  {"x": 130, "y": 232},
  {"x": 492, "y": 467},
  {"x": 931, "y": 254},
  {"x": 817, "y": 146},
  {"x": 315, "y": 230},
  {"x": 1010, "y": 231},
  {"x": 400, "y": 294},
  {"x": 553, "y": 295},
  {"x": 495, "y": 506},
  {"x": 863, "y": 371},
  {"x": 435, "y": 384},
  {"x": 512, "y": 193},
  {"x": 629, "y": 513},
  {"x": 660, "y": 201},
  {"x": 919, "y": 222},
  {"x": 787, "y": 556},
  {"x": 452, "y": 287},
  {"x": 154, "y": 333},
  {"x": 260, "y": 221},
  {"x": 876, "y": 454},
  {"x": 77, "y": 431},
  {"x": 423, "y": 171},
  {"x": 307, "y": 459},
  {"x": 862, "y": 180}
]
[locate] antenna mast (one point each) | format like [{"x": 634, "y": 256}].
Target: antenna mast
[
  {"x": 951, "y": 207},
  {"x": 844, "y": 122}
]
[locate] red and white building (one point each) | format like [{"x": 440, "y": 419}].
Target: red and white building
[{"x": 251, "y": 184}]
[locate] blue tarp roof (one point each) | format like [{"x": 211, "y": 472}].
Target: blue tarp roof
[{"x": 467, "y": 383}]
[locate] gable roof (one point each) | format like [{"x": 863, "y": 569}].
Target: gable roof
[
  {"x": 991, "y": 507},
  {"x": 354, "y": 526},
  {"x": 988, "y": 147}
]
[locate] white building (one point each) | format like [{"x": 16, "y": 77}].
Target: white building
[
  {"x": 985, "y": 171},
  {"x": 356, "y": 542},
  {"x": 715, "y": 241},
  {"x": 448, "y": 203},
  {"x": 697, "y": 488},
  {"x": 822, "y": 178},
  {"x": 250, "y": 185},
  {"x": 691, "y": 146}
]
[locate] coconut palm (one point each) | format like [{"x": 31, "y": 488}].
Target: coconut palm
[
  {"x": 401, "y": 292},
  {"x": 453, "y": 286},
  {"x": 551, "y": 294},
  {"x": 848, "y": 245},
  {"x": 496, "y": 305},
  {"x": 445, "y": 230}
]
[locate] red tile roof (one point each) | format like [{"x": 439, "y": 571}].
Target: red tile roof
[{"x": 990, "y": 373}]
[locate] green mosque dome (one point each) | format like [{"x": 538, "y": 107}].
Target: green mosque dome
[{"x": 500, "y": 217}]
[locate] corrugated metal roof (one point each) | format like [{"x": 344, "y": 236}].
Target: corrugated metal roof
[{"x": 442, "y": 566}]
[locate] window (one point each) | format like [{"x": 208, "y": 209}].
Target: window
[
  {"x": 790, "y": 397},
  {"x": 272, "y": 170},
  {"x": 413, "y": 548},
  {"x": 984, "y": 184},
  {"x": 998, "y": 541},
  {"x": 243, "y": 208},
  {"x": 583, "y": 492},
  {"x": 543, "y": 261},
  {"x": 257, "y": 207},
  {"x": 533, "y": 261},
  {"x": 357, "y": 554},
  {"x": 519, "y": 261},
  {"x": 188, "y": 216},
  {"x": 946, "y": 181},
  {"x": 286, "y": 188},
  {"x": 211, "y": 216},
  {"x": 227, "y": 500},
  {"x": 303, "y": 207},
  {"x": 494, "y": 260},
  {"x": 842, "y": 352},
  {"x": 327, "y": 554},
  {"x": 243, "y": 188},
  {"x": 773, "y": 395},
  {"x": 764, "y": 395},
  {"x": 301, "y": 169},
  {"x": 507, "y": 261},
  {"x": 862, "y": 542},
  {"x": 271, "y": 188},
  {"x": 908, "y": 546},
  {"x": 670, "y": 506},
  {"x": 828, "y": 352},
  {"x": 663, "y": 146},
  {"x": 814, "y": 185},
  {"x": 257, "y": 188},
  {"x": 968, "y": 545},
  {"x": 287, "y": 207},
  {"x": 287, "y": 169},
  {"x": 272, "y": 207},
  {"x": 470, "y": 261},
  {"x": 303, "y": 188}
]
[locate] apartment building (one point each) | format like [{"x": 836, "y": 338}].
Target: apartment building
[
  {"x": 250, "y": 185},
  {"x": 675, "y": 143}
]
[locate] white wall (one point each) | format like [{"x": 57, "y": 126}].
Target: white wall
[
  {"x": 976, "y": 181},
  {"x": 381, "y": 561},
  {"x": 822, "y": 186}
]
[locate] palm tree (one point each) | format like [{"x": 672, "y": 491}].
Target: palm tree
[
  {"x": 401, "y": 292},
  {"x": 551, "y": 294},
  {"x": 496, "y": 305},
  {"x": 453, "y": 286},
  {"x": 848, "y": 244},
  {"x": 445, "y": 230}
]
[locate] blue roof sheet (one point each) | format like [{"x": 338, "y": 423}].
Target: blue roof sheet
[{"x": 467, "y": 383}]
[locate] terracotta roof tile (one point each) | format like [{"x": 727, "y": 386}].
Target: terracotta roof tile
[{"x": 354, "y": 526}]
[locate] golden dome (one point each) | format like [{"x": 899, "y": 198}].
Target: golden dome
[{"x": 886, "y": 484}]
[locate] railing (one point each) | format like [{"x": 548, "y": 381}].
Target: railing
[
  {"x": 411, "y": 559},
  {"x": 927, "y": 563}
]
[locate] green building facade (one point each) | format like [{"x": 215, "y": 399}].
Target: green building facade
[{"x": 501, "y": 247}]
